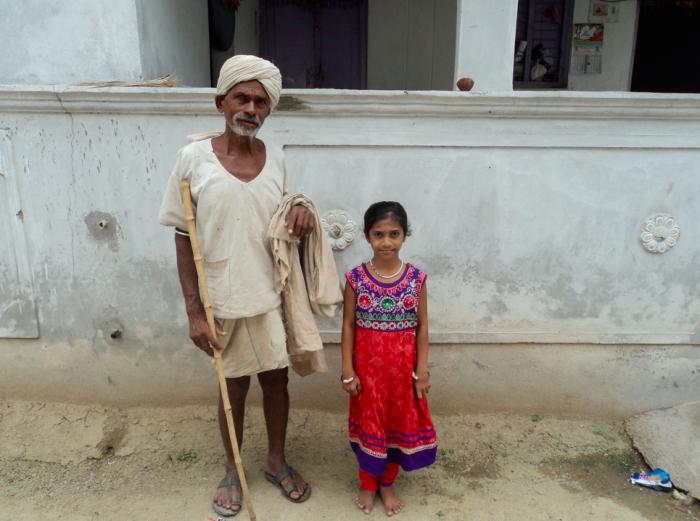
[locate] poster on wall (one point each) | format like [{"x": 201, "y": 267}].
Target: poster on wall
[
  {"x": 603, "y": 12},
  {"x": 588, "y": 48}
]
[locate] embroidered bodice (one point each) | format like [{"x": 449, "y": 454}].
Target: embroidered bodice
[{"x": 385, "y": 306}]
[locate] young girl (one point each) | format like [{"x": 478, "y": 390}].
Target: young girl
[{"x": 385, "y": 361}]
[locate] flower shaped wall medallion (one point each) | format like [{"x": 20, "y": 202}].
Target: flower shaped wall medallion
[
  {"x": 340, "y": 227},
  {"x": 660, "y": 233}
]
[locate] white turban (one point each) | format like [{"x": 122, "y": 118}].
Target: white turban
[{"x": 243, "y": 67}]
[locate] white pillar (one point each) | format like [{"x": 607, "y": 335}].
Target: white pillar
[{"x": 485, "y": 43}]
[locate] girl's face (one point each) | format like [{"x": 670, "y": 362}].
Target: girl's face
[{"x": 386, "y": 238}]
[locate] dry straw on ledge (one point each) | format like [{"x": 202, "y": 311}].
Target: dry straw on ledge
[{"x": 164, "y": 81}]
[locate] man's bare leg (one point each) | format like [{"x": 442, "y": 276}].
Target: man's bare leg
[
  {"x": 276, "y": 409},
  {"x": 230, "y": 497}
]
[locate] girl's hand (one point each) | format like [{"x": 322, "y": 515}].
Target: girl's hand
[
  {"x": 353, "y": 387},
  {"x": 422, "y": 385}
]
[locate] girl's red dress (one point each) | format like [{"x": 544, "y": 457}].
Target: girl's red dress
[{"x": 388, "y": 423}]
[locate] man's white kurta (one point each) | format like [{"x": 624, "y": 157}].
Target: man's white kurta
[{"x": 232, "y": 219}]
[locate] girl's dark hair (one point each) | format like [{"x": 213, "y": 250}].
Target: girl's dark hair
[{"x": 384, "y": 210}]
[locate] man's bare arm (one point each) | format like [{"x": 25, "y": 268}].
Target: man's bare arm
[{"x": 200, "y": 334}]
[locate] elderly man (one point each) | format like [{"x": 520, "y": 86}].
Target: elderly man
[{"x": 237, "y": 182}]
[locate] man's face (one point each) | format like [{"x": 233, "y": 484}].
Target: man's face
[{"x": 245, "y": 107}]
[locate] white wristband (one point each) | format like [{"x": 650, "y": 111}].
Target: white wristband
[{"x": 420, "y": 378}]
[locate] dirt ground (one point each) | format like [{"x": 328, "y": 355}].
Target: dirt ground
[{"x": 80, "y": 463}]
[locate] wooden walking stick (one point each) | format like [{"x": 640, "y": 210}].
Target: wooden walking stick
[{"x": 204, "y": 290}]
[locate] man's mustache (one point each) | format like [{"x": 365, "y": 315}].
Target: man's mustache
[{"x": 240, "y": 117}]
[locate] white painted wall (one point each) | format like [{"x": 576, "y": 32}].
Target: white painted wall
[
  {"x": 485, "y": 43},
  {"x": 618, "y": 50},
  {"x": 54, "y": 42},
  {"x": 247, "y": 37},
  {"x": 526, "y": 210},
  {"x": 174, "y": 39},
  {"x": 58, "y": 42}
]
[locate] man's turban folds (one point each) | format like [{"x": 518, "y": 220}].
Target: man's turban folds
[{"x": 242, "y": 67}]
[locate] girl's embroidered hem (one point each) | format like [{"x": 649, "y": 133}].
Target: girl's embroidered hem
[
  {"x": 409, "y": 443},
  {"x": 376, "y": 464}
]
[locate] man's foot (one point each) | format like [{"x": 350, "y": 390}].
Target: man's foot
[
  {"x": 365, "y": 500},
  {"x": 392, "y": 502},
  {"x": 227, "y": 499},
  {"x": 293, "y": 486}
]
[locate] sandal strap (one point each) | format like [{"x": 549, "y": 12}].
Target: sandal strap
[
  {"x": 230, "y": 481},
  {"x": 285, "y": 471}
]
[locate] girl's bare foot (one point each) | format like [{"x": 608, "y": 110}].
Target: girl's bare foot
[
  {"x": 392, "y": 502},
  {"x": 365, "y": 500}
]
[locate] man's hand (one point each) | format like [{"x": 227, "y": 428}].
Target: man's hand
[
  {"x": 300, "y": 221},
  {"x": 201, "y": 336}
]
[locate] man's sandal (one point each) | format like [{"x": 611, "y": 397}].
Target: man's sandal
[
  {"x": 285, "y": 472},
  {"x": 228, "y": 482}
]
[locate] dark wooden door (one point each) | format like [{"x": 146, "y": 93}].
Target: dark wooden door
[{"x": 316, "y": 43}]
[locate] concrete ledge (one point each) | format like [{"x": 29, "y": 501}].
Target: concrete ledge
[
  {"x": 602, "y": 381},
  {"x": 548, "y": 337},
  {"x": 444, "y": 104}
]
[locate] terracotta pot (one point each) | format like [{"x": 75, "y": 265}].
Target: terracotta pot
[{"x": 465, "y": 84}]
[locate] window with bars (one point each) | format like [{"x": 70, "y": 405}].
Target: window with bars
[{"x": 542, "y": 44}]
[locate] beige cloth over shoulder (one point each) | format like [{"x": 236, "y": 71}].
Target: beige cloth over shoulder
[{"x": 311, "y": 288}]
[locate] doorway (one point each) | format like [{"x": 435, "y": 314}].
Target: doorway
[
  {"x": 316, "y": 43},
  {"x": 666, "y": 57}
]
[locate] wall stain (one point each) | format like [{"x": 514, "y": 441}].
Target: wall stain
[
  {"x": 104, "y": 228},
  {"x": 141, "y": 298},
  {"x": 291, "y": 104},
  {"x": 107, "y": 322},
  {"x": 496, "y": 306}
]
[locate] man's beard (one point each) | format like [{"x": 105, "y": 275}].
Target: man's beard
[{"x": 240, "y": 129}]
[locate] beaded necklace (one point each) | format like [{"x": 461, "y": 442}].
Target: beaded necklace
[{"x": 385, "y": 276}]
